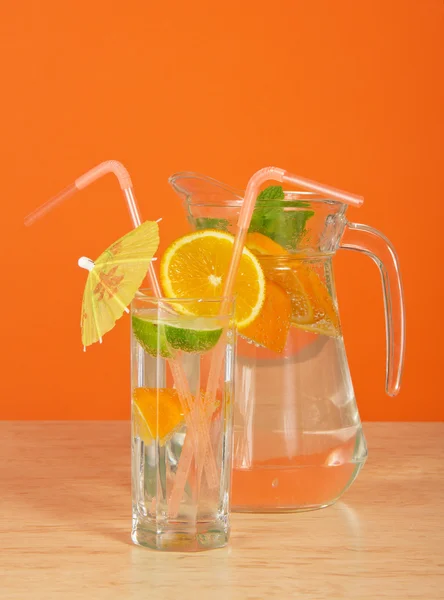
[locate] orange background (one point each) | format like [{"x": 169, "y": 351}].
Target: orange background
[{"x": 348, "y": 93}]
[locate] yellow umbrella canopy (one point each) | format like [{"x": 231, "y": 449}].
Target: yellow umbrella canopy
[{"x": 114, "y": 279}]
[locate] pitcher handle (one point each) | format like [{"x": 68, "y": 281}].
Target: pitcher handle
[{"x": 374, "y": 244}]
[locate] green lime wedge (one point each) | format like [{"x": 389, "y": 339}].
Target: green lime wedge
[
  {"x": 151, "y": 336},
  {"x": 192, "y": 340},
  {"x": 158, "y": 338}
]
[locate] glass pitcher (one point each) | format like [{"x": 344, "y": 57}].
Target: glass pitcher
[{"x": 298, "y": 439}]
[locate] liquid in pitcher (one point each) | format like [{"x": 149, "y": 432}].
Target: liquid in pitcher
[{"x": 298, "y": 437}]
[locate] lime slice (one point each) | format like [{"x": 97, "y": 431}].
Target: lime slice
[
  {"x": 159, "y": 338},
  {"x": 151, "y": 336},
  {"x": 192, "y": 340}
]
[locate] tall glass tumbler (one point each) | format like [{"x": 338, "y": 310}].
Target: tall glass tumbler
[{"x": 181, "y": 432}]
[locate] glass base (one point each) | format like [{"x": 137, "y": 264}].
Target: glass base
[
  {"x": 288, "y": 490},
  {"x": 279, "y": 509},
  {"x": 180, "y": 539}
]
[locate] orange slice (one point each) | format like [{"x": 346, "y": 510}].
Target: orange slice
[
  {"x": 271, "y": 326},
  {"x": 302, "y": 307},
  {"x": 261, "y": 244},
  {"x": 322, "y": 302},
  {"x": 196, "y": 265},
  {"x": 157, "y": 413},
  {"x": 313, "y": 306}
]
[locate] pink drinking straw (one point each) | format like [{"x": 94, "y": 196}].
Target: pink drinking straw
[
  {"x": 246, "y": 212},
  {"x": 110, "y": 166},
  {"x": 194, "y": 424}
]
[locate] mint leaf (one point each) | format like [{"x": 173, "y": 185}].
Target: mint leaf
[
  {"x": 271, "y": 218},
  {"x": 286, "y": 227},
  {"x": 272, "y": 192},
  {"x": 212, "y": 223}
]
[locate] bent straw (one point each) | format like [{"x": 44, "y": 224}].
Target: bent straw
[
  {"x": 246, "y": 212},
  {"x": 109, "y": 166},
  {"x": 196, "y": 427}
]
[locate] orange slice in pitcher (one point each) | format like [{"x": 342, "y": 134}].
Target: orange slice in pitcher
[
  {"x": 261, "y": 244},
  {"x": 313, "y": 306},
  {"x": 195, "y": 266},
  {"x": 271, "y": 326},
  {"x": 302, "y": 306},
  {"x": 157, "y": 412},
  {"x": 326, "y": 319}
]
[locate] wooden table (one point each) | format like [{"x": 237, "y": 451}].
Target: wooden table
[{"x": 65, "y": 520}]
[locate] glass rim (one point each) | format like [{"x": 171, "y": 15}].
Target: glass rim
[
  {"x": 235, "y": 197},
  {"x": 290, "y": 196},
  {"x": 140, "y": 295},
  {"x": 295, "y": 257}
]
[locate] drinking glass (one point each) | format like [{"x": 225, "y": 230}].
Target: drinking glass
[{"x": 181, "y": 434}]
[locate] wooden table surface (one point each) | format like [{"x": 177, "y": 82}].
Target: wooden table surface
[{"x": 65, "y": 522}]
